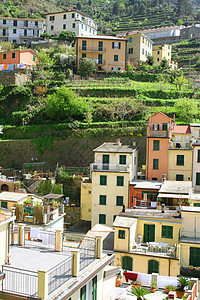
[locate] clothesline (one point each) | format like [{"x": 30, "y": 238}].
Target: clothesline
[{"x": 11, "y": 67}]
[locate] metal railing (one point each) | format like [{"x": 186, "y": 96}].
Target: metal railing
[
  {"x": 87, "y": 255},
  {"x": 92, "y": 49},
  {"x": 59, "y": 274},
  {"x": 45, "y": 239},
  {"x": 20, "y": 282},
  {"x": 180, "y": 145},
  {"x": 190, "y": 235},
  {"x": 110, "y": 167}
]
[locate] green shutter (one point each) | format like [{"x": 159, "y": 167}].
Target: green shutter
[
  {"x": 194, "y": 256},
  {"x": 167, "y": 232},
  {"x": 83, "y": 55},
  {"x": 180, "y": 160},
  {"x": 122, "y": 159},
  {"x": 156, "y": 145},
  {"x": 4, "y": 204},
  {"x": 198, "y": 158},
  {"x": 121, "y": 234},
  {"x": 94, "y": 288},
  {"x": 127, "y": 263},
  {"x": 153, "y": 266},
  {"x": 195, "y": 204},
  {"x": 197, "y": 178},
  {"x": 149, "y": 233},
  {"x": 103, "y": 180},
  {"x": 84, "y": 45},
  {"x": 155, "y": 163},
  {"x": 100, "y": 46},
  {"x": 83, "y": 293},
  {"x": 164, "y": 126},
  {"x": 120, "y": 180},
  {"x": 102, "y": 219},
  {"x": 179, "y": 177},
  {"x": 145, "y": 233},
  {"x": 119, "y": 200},
  {"x": 102, "y": 199}
]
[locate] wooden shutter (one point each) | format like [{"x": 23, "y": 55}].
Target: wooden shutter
[
  {"x": 194, "y": 256},
  {"x": 127, "y": 263},
  {"x": 153, "y": 267},
  {"x": 83, "y": 293},
  {"x": 151, "y": 233},
  {"x": 198, "y": 158},
  {"x": 145, "y": 233}
]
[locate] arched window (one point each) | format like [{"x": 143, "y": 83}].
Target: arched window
[
  {"x": 127, "y": 263},
  {"x": 153, "y": 266}
]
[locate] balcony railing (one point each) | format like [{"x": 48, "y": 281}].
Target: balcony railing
[
  {"x": 154, "y": 248},
  {"x": 180, "y": 145},
  {"x": 92, "y": 49},
  {"x": 190, "y": 236},
  {"x": 110, "y": 167},
  {"x": 97, "y": 61},
  {"x": 158, "y": 133}
]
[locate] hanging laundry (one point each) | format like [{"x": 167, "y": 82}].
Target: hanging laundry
[
  {"x": 5, "y": 68},
  {"x": 1, "y": 67},
  {"x": 10, "y": 67}
]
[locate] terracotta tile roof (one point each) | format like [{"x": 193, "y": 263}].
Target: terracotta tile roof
[
  {"x": 181, "y": 129},
  {"x": 4, "y": 217}
]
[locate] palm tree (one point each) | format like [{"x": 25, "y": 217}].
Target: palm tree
[{"x": 139, "y": 292}]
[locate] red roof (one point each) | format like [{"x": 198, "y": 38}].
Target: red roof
[
  {"x": 181, "y": 129},
  {"x": 4, "y": 217}
]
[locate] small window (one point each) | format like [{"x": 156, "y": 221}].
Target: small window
[
  {"x": 122, "y": 159},
  {"x": 121, "y": 234},
  {"x": 102, "y": 219},
  {"x": 25, "y": 32},
  {"x": 34, "y": 57},
  {"x": 4, "y": 204},
  {"x": 25, "y": 23},
  {"x": 64, "y": 26},
  {"x": 198, "y": 156},
  {"x": 36, "y": 23},
  {"x": 84, "y": 45},
  {"x": 103, "y": 180},
  {"x": 179, "y": 177},
  {"x": 13, "y": 55},
  {"x": 93, "y": 31},
  {"x": 143, "y": 51},
  {"x": 158, "y": 59},
  {"x": 64, "y": 16},
  {"x": 130, "y": 39},
  {"x": 14, "y": 22},
  {"x": 73, "y": 15},
  {"x": 85, "y": 27},
  {"x": 156, "y": 145},
  {"x": 119, "y": 201},
  {"x": 158, "y": 52},
  {"x": 115, "y": 57},
  {"x": 52, "y": 18},
  {"x": 4, "y": 22},
  {"x": 120, "y": 180},
  {"x": 73, "y": 25},
  {"x": 83, "y": 55},
  {"x": 102, "y": 199},
  {"x": 90, "y": 30},
  {"x": 155, "y": 164},
  {"x": 197, "y": 178},
  {"x": 195, "y": 204},
  {"x": 180, "y": 160},
  {"x": 81, "y": 26},
  {"x": 168, "y": 47},
  {"x": 4, "y": 56},
  {"x": 168, "y": 54},
  {"x": 52, "y": 27},
  {"x": 164, "y": 126},
  {"x": 14, "y": 31},
  {"x": 83, "y": 293},
  {"x": 167, "y": 232}
]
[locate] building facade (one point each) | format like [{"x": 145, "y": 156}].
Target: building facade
[
  {"x": 20, "y": 30},
  {"x": 113, "y": 168},
  {"x": 108, "y": 52},
  {"x": 70, "y": 21},
  {"x": 5, "y": 220}
]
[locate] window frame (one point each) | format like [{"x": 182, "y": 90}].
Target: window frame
[
  {"x": 102, "y": 199},
  {"x": 180, "y": 160},
  {"x": 156, "y": 145},
  {"x": 116, "y": 57},
  {"x": 121, "y": 234},
  {"x": 122, "y": 159},
  {"x": 167, "y": 232},
  {"x": 119, "y": 178},
  {"x": 155, "y": 164},
  {"x": 119, "y": 200},
  {"x": 103, "y": 178},
  {"x": 102, "y": 217}
]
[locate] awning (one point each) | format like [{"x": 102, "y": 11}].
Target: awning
[{"x": 174, "y": 196}]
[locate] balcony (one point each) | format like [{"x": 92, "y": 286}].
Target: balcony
[
  {"x": 110, "y": 167},
  {"x": 190, "y": 236},
  {"x": 158, "y": 133},
  {"x": 180, "y": 145},
  {"x": 154, "y": 248},
  {"x": 92, "y": 49}
]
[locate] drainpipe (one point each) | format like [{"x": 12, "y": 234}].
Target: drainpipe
[{"x": 169, "y": 267}]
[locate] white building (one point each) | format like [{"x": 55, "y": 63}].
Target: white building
[
  {"x": 20, "y": 30},
  {"x": 70, "y": 21}
]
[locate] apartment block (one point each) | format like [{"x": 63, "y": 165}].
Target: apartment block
[
  {"x": 108, "y": 52},
  {"x": 70, "y": 21},
  {"x": 20, "y": 30}
]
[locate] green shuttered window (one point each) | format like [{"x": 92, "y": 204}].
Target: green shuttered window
[
  {"x": 180, "y": 160},
  {"x": 102, "y": 219},
  {"x": 127, "y": 263},
  {"x": 119, "y": 200},
  {"x": 197, "y": 178},
  {"x": 149, "y": 233},
  {"x": 122, "y": 159},
  {"x": 120, "y": 180},
  {"x": 198, "y": 157},
  {"x": 153, "y": 266},
  {"x": 194, "y": 256},
  {"x": 155, "y": 164},
  {"x": 121, "y": 234},
  {"x": 103, "y": 180},
  {"x": 102, "y": 199},
  {"x": 167, "y": 232},
  {"x": 156, "y": 145}
]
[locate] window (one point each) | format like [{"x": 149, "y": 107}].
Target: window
[
  {"x": 115, "y": 57},
  {"x": 52, "y": 27},
  {"x": 179, "y": 177},
  {"x": 149, "y": 233},
  {"x": 167, "y": 232},
  {"x": 4, "y": 56},
  {"x": 158, "y": 59},
  {"x": 120, "y": 180},
  {"x": 146, "y": 52},
  {"x": 14, "y": 31},
  {"x": 130, "y": 50},
  {"x": 81, "y": 26},
  {"x": 116, "y": 45},
  {"x": 102, "y": 219},
  {"x": 93, "y": 31},
  {"x": 156, "y": 145},
  {"x": 51, "y": 18},
  {"x": 14, "y": 41},
  {"x": 64, "y": 26},
  {"x": 83, "y": 293},
  {"x": 103, "y": 180},
  {"x": 122, "y": 159},
  {"x": 127, "y": 263},
  {"x": 4, "y": 22},
  {"x": 164, "y": 126},
  {"x": 155, "y": 164},
  {"x": 130, "y": 39},
  {"x": 153, "y": 266},
  {"x": 198, "y": 156},
  {"x": 197, "y": 204},
  {"x": 100, "y": 46},
  {"x": 168, "y": 54},
  {"x": 73, "y": 25},
  {"x": 168, "y": 47},
  {"x": 102, "y": 199},
  {"x": 100, "y": 58},
  {"x": 180, "y": 160},
  {"x": 119, "y": 200},
  {"x": 194, "y": 256},
  {"x": 85, "y": 27},
  {"x": 197, "y": 178},
  {"x": 4, "y": 32},
  {"x": 25, "y": 23},
  {"x": 13, "y": 55},
  {"x": 64, "y": 16},
  {"x": 94, "y": 288},
  {"x": 36, "y": 23},
  {"x": 34, "y": 57},
  {"x": 25, "y": 32},
  {"x": 121, "y": 234},
  {"x": 83, "y": 55},
  {"x": 158, "y": 52},
  {"x": 14, "y": 22},
  {"x": 90, "y": 30},
  {"x": 4, "y": 204},
  {"x": 73, "y": 15}
]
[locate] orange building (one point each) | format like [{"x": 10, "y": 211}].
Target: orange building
[
  {"x": 10, "y": 60},
  {"x": 158, "y": 141}
]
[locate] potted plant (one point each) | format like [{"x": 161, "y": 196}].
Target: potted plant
[
  {"x": 139, "y": 292},
  {"x": 153, "y": 286},
  {"x": 135, "y": 283},
  {"x": 169, "y": 288},
  {"x": 185, "y": 296},
  {"x": 191, "y": 267},
  {"x": 118, "y": 280},
  {"x": 183, "y": 283}
]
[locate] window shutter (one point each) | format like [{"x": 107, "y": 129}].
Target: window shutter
[
  {"x": 198, "y": 159},
  {"x": 119, "y": 45},
  {"x": 113, "y": 45}
]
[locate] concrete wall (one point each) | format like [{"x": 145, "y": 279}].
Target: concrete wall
[{"x": 86, "y": 201}]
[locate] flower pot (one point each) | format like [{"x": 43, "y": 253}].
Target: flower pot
[
  {"x": 118, "y": 281},
  {"x": 136, "y": 285},
  {"x": 153, "y": 290},
  {"x": 180, "y": 294},
  {"x": 191, "y": 268},
  {"x": 166, "y": 291}
]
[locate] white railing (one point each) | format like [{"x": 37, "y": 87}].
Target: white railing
[
  {"x": 180, "y": 145},
  {"x": 110, "y": 167},
  {"x": 154, "y": 248}
]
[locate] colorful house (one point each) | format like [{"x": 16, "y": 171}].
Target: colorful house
[
  {"x": 146, "y": 241},
  {"x": 108, "y": 52},
  {"x": 10, "y": 60},
  {"x": 158, "y": 133},
  {"x": 86, "y": 201},
  {"x": 195, "y": 135}
]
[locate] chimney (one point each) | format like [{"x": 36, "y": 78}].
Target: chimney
[
  {"x": 163, "y": 208},
  {"x": 134, "y": 143},
  {"x": 118, "y": 142}
]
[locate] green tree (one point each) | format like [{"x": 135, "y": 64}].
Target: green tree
[
  {"x": 87, "y": 66},
  {"x": 150, "y": 60},
  {"x": 164, "y": 64},
  {"x": 67, "y": 36},
  {"x": 179, "y": 22},
  {"x": 45, "y": 35},
  {"x": 179, "y": 81},
  {"x": 65, "y": 105},
  {"x": 186, "y": 109},
  {"x": 6, "y": 46}
]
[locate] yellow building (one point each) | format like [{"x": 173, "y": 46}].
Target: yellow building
[
  {"x": 161, "y": 52},
  {"x": 146, "y": 241},
  {"x": 86, "y": 201},
  {"x": 113, "y": 168},
  {"x": 108, "y": 52},
  {"x": 10, "y": 199},
  {"x": 5, "y": 221},
  {"x": 180, "y": 154},
  {"x": 139, "y": 47}
]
